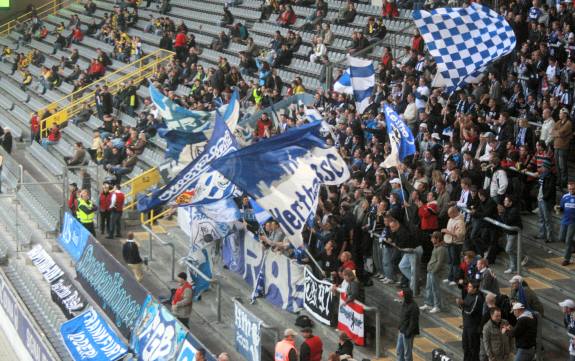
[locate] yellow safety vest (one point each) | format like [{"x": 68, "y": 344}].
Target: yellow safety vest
[
  {"x": 82, "y": 216},
  {"x": 257, "y": 97}
]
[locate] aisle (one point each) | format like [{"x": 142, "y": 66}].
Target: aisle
[{"x": 6, "y": 351}]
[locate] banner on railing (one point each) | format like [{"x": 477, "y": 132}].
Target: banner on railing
[
  {"x": 18, "y": 316},
  {"x": 350, "y": 320},
  {"x": 201, "y": 260},
  {"x": 189, "y": 348},
  {"x": 318, "y": 300},
  {"x": 45, "y": 264},
  {"x": 157, "y": 335},
  {"x": 248, "y": 333},
  {"x": 283, "y": 277},
  {"x": 89, "y": 337},
  {"x": 67, "y": 297},
  {"x": 111, "y": 285},
  {"x": 73, "y": 237}
]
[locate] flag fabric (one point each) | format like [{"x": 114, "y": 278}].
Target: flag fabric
[
  {"x": 464, "y": 41},
  {"x": 343, "y": 83},
  {"x": 185, "y": 127},
  {"x": 200, "y": 259},
  {"x": 350, "y": 319},
  {"x": 400, "y": 137},
  {"x": 198, "y": 183},
  {"x": 314, "y": 116},
  {"x": 283, "y": 174},
  {"x": 362, "y": 76},
  {"x": 260, "y": 214}
]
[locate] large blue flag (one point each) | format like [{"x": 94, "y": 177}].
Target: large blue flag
[
  {"x": 283, "y": 174},
  {"x": 400, "y": 137},
  {"x": 198, "y": 183},
  {"x": 185, "y": 126},
  {"x": 464, "y": 41}
]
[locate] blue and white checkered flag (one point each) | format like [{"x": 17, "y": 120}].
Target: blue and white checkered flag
[{"x": 463, "y": 42}]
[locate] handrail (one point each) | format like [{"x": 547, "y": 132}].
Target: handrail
[
  {"x": 164, "y": 243},
  {"x": 148, "y": 178},
  {"x": 507, "y": 228},
  {"x": 262, "y": 324},
  {"x": 153, "y": 217},
  {"x": 72, "y": 104},
  {"x": 43, "y": 11},
  {"x": 377, "y": 322}
]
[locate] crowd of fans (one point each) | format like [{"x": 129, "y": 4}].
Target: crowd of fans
[{"x": 496, "y": 149}]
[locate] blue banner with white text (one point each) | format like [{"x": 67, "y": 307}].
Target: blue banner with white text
[
  {"x": 248, "y": 333},
  {"x": 73, "y": 237},
  {"x": 89, "y": 337}
]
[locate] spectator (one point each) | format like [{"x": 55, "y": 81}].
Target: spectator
[
  {"x": 54, "y": 136},
  {"x": 223, "y": 357},
  {"x": 73, "y": 198},
  {"x": 117, "y": 200},
  {"x": 346, "y": 14},
  {"x": 86, "y": 211},
  {"x": 35, "y": 128},
  {"x": 562, "y": 132},
  {"x": 497, "y": 345},
  {"x": 182, "y": 299},
  {"x": 79, "y": 155},
  {"x": 453, "y": 237},
  {"x": 7, "y": 140},
  {"x": 131, "y": 255},
  {"x": 435, "y": 269},
  {"x": 319, "y": 50},
  {"x": 472, "y": 306},
  {"x": 546, "y": 200},
  {"x": 312, "y": 347},
  {"x": 487, "y": 280},
  {"x": 568, "y": 308},
  {"x": 567, "y": 231},
  {"x": 408, "y": 326},
  {"x": 522, "y": 293},
  {"x": 509, "y": 215},
  {"x": 105, "y": 212},
  {"x": 344, "y": 345},
  {"x": 287, "y": 17},
  {"x": 285, "y": 349},
  {"x": 524, "y": 332}
]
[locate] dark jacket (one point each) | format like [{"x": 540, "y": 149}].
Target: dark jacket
[
  {"x": 107, "y": 102},
  {"x": 512, "y": 217},
  {"x": 409, "y": 317},
  {"x": 548, "y": 181},
  {"x": 131, "y": 253},
  {"x": 525, "y": 331},
  {"x": 472, "y": 311},
  {"x": 7, "y": 142},
  {"x": 345, "y": 349}
]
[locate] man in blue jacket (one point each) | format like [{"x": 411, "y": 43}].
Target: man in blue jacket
[{"x": 567, "y": 205}]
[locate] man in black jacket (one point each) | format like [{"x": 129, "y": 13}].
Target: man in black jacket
[
  {"x": 546, "y": 200},
  {"x": 408, "y": 326},
  {"x": 483, "y": 235},
  {"x": 131, "y": 255},
  {"x": 472, "y": 308},
  {"x": 524, "y": 332},
  {"x": 107, "y": 101},
  {"x": 509, "y": 214}
]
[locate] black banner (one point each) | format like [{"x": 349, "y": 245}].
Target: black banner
[
  {"x": 67, "y": 297},
  {"x": 318, "y": 298},
  {"x": 111, "y": 285}
]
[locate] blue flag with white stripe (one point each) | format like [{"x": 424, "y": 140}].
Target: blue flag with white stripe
[
  {"x": 343, "y": 83},
  {"x": 198, "y": 183},
  {"x": 260, "y": 214},
  {"x": 185, "y": 126},
  {"x": 362, "y": 76},
  {"x": 400, "y": 137},
  {"x": 283, "y": 174},
  {"x": 464, "y": 41}
]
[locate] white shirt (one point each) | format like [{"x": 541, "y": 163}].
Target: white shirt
[
  {"x": 424, "y": 91},
  {"x": 546, "y": 128}
]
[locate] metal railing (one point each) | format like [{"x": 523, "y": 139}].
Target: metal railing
[
  {"x": 140, "y": 183},
  {"x": 72, "y": 104},
  {"x": 218, "y": 289},
  {"x": 153, "y": 235},
  {"x": 42, "y": 12},
  {"x": 506, "y": 228}
]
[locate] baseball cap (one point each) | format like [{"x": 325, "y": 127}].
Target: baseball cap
[
  {"x": 517, "y": 306},
  {"x": 395, "y": 181},
  {"x": 569, "y": 303},
  {"x": 435, "y": 136},
  {"x": 516, "y": 279},
  {"x": 289, "y": 332}
]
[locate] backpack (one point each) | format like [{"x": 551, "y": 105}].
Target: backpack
[{"x": 303, "y": 321}]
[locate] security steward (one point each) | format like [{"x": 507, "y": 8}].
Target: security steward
[
  {"x": 312, "y": 347},
  {"x": 86, "y": 212},
  {"x": 285, "y": 349}
]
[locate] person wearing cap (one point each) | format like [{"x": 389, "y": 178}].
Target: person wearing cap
[
  {"x": 408, "y": 326},
  {"x": 524, "y": 332},
  {"x": 568, "y": 308},
  {"x": 562, "y": 132},
  {"x": 285, "y": 349},
  {"x": 567, "y": 231},
  {"x": 545, "y": 200},
  {"x": 471, "y": 309},
  {"x": 521, "y": 292},
  {"x": 312, "y": 347},
  {"x": 183, "y": 299}
]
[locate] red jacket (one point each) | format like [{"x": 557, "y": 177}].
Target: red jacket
[
  {"x": 389, "y": 10},
  {"x": 179, "y": 294},
  {"x": 287, "y": 18},
  {"x": 73, "y": 202},
  {"x": 428, "y": 216},
  {"x": 181, "y": 40},
  {"x": 54, "y": 135},
  {"x": 77, "y": 35},
  {"x": 96, "y": 68},
  {"x": 105, "y": 199},
  {"x": 417, "y": 43},
  {"x": 120, "y": 198},
  {"x": 315, "y": 348},
  {"x": 35, "y": 124}
]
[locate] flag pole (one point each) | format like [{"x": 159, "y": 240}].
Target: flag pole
[
  {"x": 310, "y": 256},
  {"x": 402, "y": 194}
]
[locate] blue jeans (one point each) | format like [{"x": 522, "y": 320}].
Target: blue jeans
[
  {"x": 545, "y": 221},
  {"x": 566, "y": 235},
  {"x": 404, "y": 348},
  {"x": 46, "y": 143},
  {"x": 387, "y": 263},
  {"x": 525, "y": 354},
  {"x": 408, "y": 266},
  {"x": 453, "y": 258},
  {"x": 432, "y": 290},
  {"x": 511, "y": 250}
]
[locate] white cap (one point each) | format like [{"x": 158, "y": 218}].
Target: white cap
[
  {"x": 395, "y": 181},
  {"x": 568, "y": 303},
  {"x": 435, "y": 136},
  {"x": 517, "y": 306},
  {"x": 423, "y": 125},
  {"x": 289, "y": 332},
  {"x": 516, "y": 279}
]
